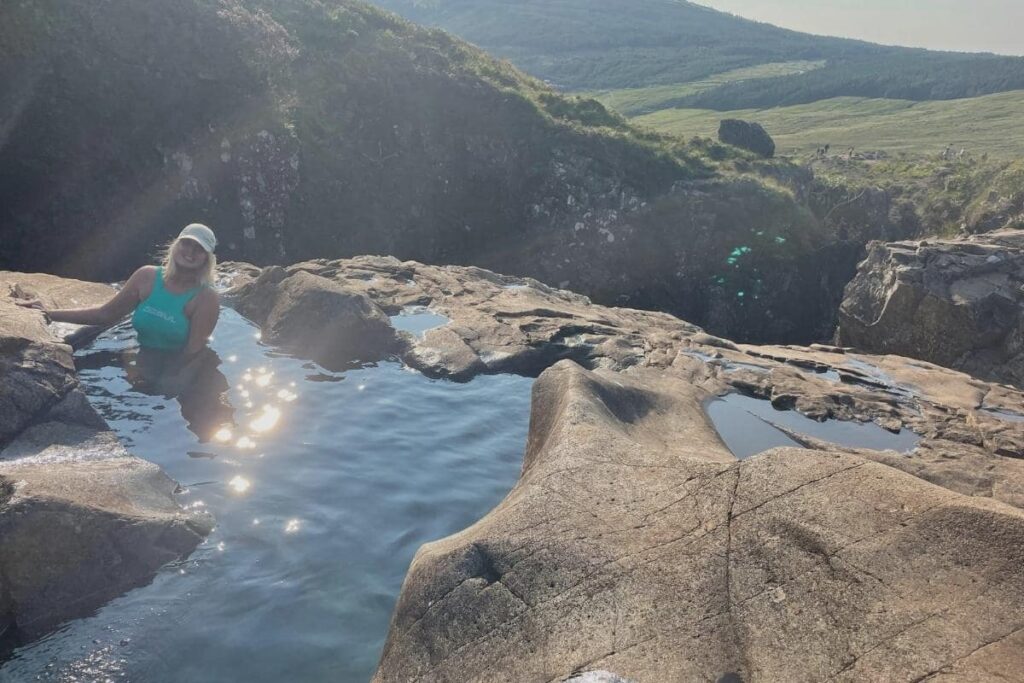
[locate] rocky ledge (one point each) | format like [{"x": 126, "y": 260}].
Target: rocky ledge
[
  {"x": 958, "y": 303},
  {"x": 81, "y": 520},
  {"x": 636, "y": 545}
]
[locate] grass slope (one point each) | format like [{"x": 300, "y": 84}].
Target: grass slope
[
  {"x": 991, "y": 124},
  {"x": 639, "y": 101}
]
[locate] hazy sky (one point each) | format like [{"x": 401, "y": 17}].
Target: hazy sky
[{"x": 968, "y": 25}]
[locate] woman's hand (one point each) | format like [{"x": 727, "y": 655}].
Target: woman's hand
[{"x": 34, "y": 304}]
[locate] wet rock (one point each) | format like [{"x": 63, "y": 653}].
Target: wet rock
[
  {"x": 317, "y": 318},
  {"x": 79, "y": 531},
  {"x": 80, "y": 518},
  {"x": 957, "y": 303},
  {"x": 632, "y": 543},
  {"x": 747, "y": 135}
]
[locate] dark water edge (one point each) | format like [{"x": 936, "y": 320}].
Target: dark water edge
[{"x": 328, "y": 484}]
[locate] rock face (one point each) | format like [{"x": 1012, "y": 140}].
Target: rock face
[
  {"x": 636, "y": 546},
  {"x": 747, "y": 135},
  {"x": 957, "y": 303},
  {"x": 80, "y": 518}
]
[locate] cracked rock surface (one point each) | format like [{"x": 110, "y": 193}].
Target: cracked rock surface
[
  {"x": 958, "y": 303},
  {"x": 635, "y": 543},
  {"x": 81, "y": 520}
]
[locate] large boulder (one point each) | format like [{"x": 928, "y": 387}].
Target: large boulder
[
  {"x": 957, "y": 303},
  {"x": 81, "y": 520},
  {"x": 317, "y": 318},
  {"x": 82, "y": 524},
  {"x": 635, "y": 543},
  {"x": 747, "y": 135}
]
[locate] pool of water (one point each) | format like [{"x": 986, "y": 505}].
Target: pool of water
[
  {"x": 748, "y": 427},
  {"x": 417, "y": 320},
  {"x": 323, "y": 486}
]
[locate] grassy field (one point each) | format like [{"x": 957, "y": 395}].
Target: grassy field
[
  {"x": 992, "y": 124},
  {"x": 637, "y": 101}
]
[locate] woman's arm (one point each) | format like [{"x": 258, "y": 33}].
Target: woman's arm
[
  {"x": 120, "y": 305},
  {"x": 201, "y": 323}
]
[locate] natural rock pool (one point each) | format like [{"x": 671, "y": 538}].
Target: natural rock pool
[
  {"x": 749, "y": 426},
  {"x": 323, "y": 487}
]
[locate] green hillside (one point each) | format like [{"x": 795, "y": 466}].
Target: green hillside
[
  {"x": 613, "y": 44},
  {"x": 638, "y": 101},
  {"x": 993, "y": 124}
]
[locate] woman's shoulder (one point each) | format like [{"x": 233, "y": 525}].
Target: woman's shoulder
[
  {"x": 144, "y": 274},
  {"x": 142, "y": 281}
]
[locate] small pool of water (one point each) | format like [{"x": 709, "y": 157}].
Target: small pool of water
[
  {"x": 747, "y": 426},
  {"x": 417, "y": 320},
  {"x": 323, "y": 486}
]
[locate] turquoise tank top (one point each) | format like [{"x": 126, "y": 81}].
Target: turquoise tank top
[{"x": 160, "y": 320}]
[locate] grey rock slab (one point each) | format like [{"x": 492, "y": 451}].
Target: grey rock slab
[
  {"x": 632, "y": 543},
  {"x": 79, "y": 532}
]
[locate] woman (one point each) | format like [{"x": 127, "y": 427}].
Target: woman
[{"x": 175, "y": 307}]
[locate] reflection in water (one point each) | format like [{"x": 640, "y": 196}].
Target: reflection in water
[
  {"x": 199, "y": 386},
  {"x": 749, "y": 426}
]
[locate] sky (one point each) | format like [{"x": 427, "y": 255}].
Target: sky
[{"x": 964, "y": 25}]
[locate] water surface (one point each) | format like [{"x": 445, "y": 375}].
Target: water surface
[
  {"x": 749, "y": 426},
  {"x": 323, "y": 486}
]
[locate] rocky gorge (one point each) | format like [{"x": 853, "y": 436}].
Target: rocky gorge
[{"x": 635, "y": 542}]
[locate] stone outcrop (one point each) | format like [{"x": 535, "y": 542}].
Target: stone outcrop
[
  {"x": 957, "y": 303},
  {"x": 81, "y": 519},
  {"x": 636, "y": 546},
  {"x": 747, "y": 135},
  {"x": 632, "y": 544},
  {"x": 317, "y": 318}
]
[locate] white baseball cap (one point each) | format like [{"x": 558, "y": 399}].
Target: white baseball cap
[{"x": 202, "y": 234}]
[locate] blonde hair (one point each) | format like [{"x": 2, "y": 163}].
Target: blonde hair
[{"x": 206, "y": 277}]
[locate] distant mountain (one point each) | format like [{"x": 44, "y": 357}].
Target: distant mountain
[{"x": 614, "y": 44}]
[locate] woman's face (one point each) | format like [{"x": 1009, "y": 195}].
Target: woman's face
[{"x": 189, "y": 254}]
